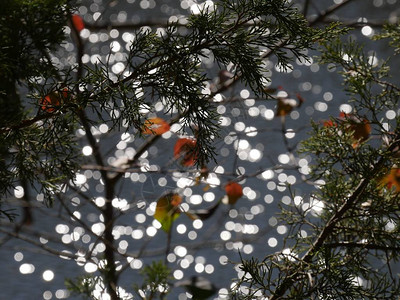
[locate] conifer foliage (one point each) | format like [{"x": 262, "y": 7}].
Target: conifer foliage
[{"x": 58, "y": 116}]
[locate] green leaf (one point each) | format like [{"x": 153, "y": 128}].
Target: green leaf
[{"x": 168, "y": 210}]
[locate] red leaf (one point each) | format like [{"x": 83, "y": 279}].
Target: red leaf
[
  {"x": 49, "y": 103},
  {"x": 78, "y": 23},
  {"x": 186, "y": 148},
  {"x": 329, "y": 123},
  {"x": 234, "y": 191},
  {"x": 54, "y": 100}
]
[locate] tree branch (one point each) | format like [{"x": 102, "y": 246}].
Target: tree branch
[{"x": 348, "y": 204}]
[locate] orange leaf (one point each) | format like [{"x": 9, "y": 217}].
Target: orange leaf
[
  {"x": 361, "y": 133},
  {"x": 78, "y": 23},
  {"x": 167, "y": 210},
  {"x": 156, "y": 126},
  {"x": 186, "y": 148},
  {"x": 234, "y": 191},
  {"x": 392, "y": 179},
  {"x": 54, "y": 100},
  {"x": 360, "y": 127}
]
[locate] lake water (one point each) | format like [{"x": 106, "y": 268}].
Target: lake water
[{"x": 251, "y": 226}]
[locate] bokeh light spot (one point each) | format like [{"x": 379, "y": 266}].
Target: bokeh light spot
[{"x": 48, "y": 275}]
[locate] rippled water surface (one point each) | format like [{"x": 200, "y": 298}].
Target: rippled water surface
[{"x": 251, "y": 145}]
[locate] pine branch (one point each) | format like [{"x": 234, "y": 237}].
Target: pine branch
[
  {"x": 368, "y": 245},
  {"x": 28, "y": 122},
  {"x": 322, "y": 15},
  {"x": 329, "y": 227}
]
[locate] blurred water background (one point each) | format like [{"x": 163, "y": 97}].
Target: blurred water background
[{"x": 249, "y": 129}]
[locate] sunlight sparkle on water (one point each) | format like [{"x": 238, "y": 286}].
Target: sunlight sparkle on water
[
  {"x": 90, "y": 267},
  {"x": 180, "y": 251},
  {"x": 26, "y": 268},
  {"x": 272, "y": 242},
  {"x": 48, "y": 275}
]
